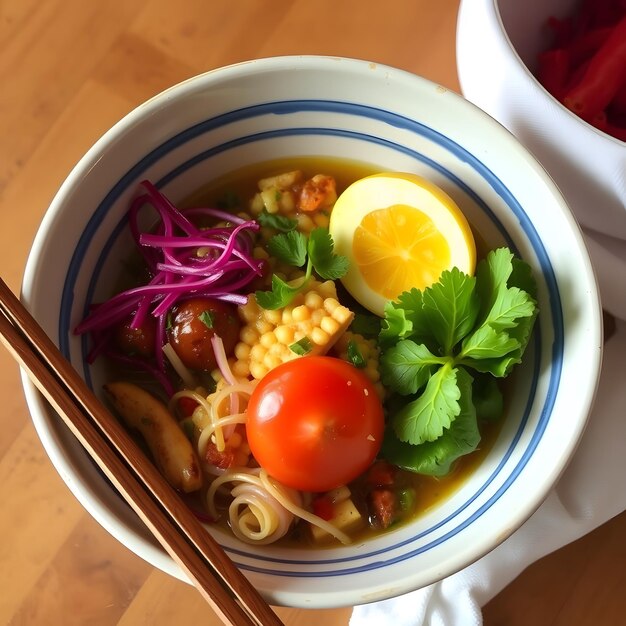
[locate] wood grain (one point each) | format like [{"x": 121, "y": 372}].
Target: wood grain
[{"x": 69, "y": 69}]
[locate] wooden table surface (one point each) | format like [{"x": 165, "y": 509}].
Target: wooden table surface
[{"x": 69, "y": 69}]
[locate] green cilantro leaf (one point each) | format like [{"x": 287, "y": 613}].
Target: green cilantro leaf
[
  {"x": 207, "y": 318},
  {"x": 487, "y": 343},
  {"x": 425, "y": 418},
  {"x": 492, "y": 275},
  {"x": 451, "y": 307},
  {"x": 281, "y": 295},
  {"x": 407, "y": 366},
  {"x": 395, "y": 325},
  {"x": 289, "y": 248},
  {"x": 280, "y": 223},
  {"x": 436, "y": 458},
  {"x": 429, "y": 338},
  {"x": 295, "y": 249},
  {"x": 522, "y": 278},
  {"x": 510, "y": 305},
  {"x": 320, "y": 248}
]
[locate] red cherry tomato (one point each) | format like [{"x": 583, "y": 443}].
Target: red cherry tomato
[
  {"x": 194, "y": 322},
  {"x": 136, "y": 341},
  {"x": 315, "y": 423}
]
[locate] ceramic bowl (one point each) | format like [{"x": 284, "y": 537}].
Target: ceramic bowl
[
  {"x": 498, "y": 42},
  {"x": 356, "y": 110}
]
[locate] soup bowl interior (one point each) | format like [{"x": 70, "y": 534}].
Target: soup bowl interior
[{"x": 392, "y": 121}]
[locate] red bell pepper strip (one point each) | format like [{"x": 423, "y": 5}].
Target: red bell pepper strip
[
  {"x": 604, "y": 76},
  {"x": 583, "y": 47},
  {"x": 552, "y": 71},
  {"x": 618, "y": 104},
  {"x": 561, "y": 30},
  {"x": 323, "y": 507}
]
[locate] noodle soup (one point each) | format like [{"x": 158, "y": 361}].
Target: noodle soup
[{"x": 281, "y": 405}]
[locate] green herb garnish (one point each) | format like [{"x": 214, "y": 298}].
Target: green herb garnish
[
  {"x": 354, "y": 355},
  {"x": 432, "y": 338},
  {"x": 207, "y": 318},
  {"x": 301, "y": 347},
  {"x": 278, "y": 222},
  {"x": 314, "y": 252}
]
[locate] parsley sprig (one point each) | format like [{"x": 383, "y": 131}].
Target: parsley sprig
[
  {"x": 433, "y": 339},
  {"x": 314, "y": 253}
]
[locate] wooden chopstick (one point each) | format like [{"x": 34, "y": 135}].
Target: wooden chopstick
[{"x": 181, "y": 534}]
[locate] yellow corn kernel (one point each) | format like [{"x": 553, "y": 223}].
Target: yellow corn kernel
[
  {"x": 258, "y": 370},
  {"x": 327, "y": 289},
  {"x": 279, "y": 349},
  {"x": 306, "y": 327},
  {"x": 273, "y": 316},
  {"x": 249, "y": 335},
  {"x": 287, "y": 317},
  {"x": 284, "y": 334},
  {"x": 241, "y": 369},
  {"x": 301, "y": 313},
  {"x": 257, "y": 353},
  {"x": 271, "y": 361},
  {"x": 262, "y": 326},
  {"x": 242, "y": 351},
  {"x": 319, "y": 336},
  {"x": 329, "y": 325},
  {"x": 317, "y": 316},
  {"x": 342, "y": 314},
  {"x": 313, "y": 300},
  {"x": 268, "y": 339},
  {"x": 330, "y": 304}
]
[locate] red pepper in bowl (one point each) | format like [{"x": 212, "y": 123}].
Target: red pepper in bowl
[{"x": 604, "y": 76}]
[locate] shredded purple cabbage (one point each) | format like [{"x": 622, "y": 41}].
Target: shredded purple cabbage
[{"x": 184, "y": 260}]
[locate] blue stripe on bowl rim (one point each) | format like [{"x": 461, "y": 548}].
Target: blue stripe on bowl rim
[{"x": 380, "y": 115}]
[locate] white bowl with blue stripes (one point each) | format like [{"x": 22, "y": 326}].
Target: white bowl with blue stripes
[{"x": 342, "y": 108}]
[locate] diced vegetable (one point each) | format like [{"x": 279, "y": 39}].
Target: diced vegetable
[
  {"x": 406, "y": 500},
  {"x": 381, "y": 474},
  {"x": 383, "y": 506},
  {"x": 345, "y": 517}
]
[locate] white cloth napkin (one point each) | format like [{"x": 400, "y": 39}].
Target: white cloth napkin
[{"x": 574, "y": 507}]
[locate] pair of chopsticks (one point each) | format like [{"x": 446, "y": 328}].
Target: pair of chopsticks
[{"x": 180, "y": 533}]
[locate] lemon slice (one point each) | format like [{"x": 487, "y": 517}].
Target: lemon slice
[{"x": 398, "y": 231}]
